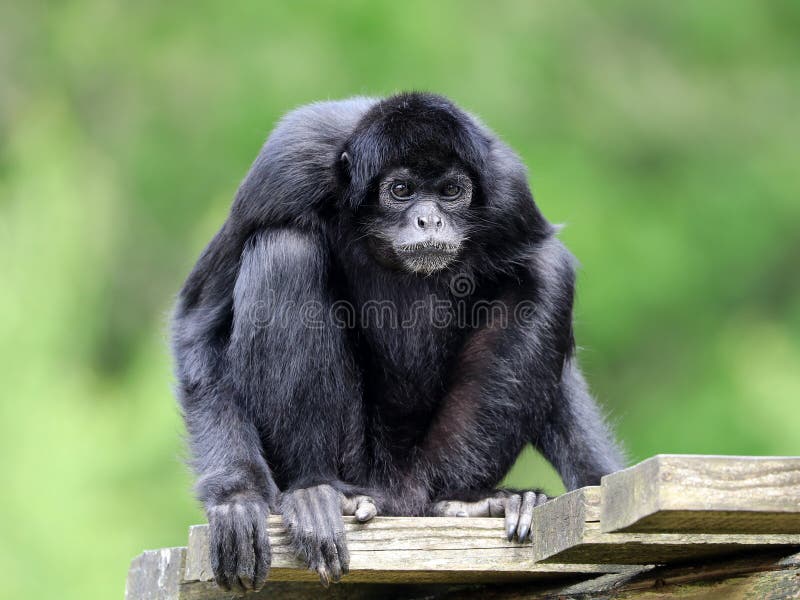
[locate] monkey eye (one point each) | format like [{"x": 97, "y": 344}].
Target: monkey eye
[
  {"x": 450, "y": 190},
  {"x": 401, "y": 190}
]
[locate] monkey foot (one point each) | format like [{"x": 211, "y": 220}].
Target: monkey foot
[
  {"x": 516, "y": 507},
  {"x": 313, "y": 519}
]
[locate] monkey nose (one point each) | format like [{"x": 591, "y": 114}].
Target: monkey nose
[{"x": 432, "y": 221}]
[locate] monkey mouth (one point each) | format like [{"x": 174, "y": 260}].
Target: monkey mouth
[
  {"x": 427, "y": 257},
  {"x": 429, "y": 247}
]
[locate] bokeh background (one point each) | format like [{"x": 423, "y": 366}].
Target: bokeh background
[{"x": 666, "y": 135}]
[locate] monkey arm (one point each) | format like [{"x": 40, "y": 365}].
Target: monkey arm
[
  {"x": 278, "y": 387},
  {"x": 234, "y": 482},
  {"x": 293, "y": 368}
]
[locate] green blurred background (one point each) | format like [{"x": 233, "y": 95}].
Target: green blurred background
[{"x": 665, "y": 134}]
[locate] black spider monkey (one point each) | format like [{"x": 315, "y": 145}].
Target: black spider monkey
[{"x": 381, "y": 325}]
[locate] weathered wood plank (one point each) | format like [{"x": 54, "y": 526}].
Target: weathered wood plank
[
  {"x": 408, "y": 550},
  {"x": 567, "y": 530},
  {"x": 704, "y": 494},
  {"x": 155, "y": 575}
]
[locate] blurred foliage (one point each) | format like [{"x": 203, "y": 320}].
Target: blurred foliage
[{"x": 665, "y": 134}]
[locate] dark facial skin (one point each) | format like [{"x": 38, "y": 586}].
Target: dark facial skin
[{"x": 420, "y": 222}]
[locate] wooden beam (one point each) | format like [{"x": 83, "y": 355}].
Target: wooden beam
[
  {"x": 409, "y": 550},
  {"x": 568, "y": 530},
  {"x": 704, "y": 494}
]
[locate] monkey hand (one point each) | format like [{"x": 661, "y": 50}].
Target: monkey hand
[
  {"x": 516, "y": 507},
  {"x": 238, "y": 542},
  {"x": 313, "y": 519}
]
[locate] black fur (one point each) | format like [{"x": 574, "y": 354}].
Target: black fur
[{"x": 287, "y": 413}]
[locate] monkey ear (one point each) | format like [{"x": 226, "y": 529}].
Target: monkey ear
[
  {"x": 344, "y": 166},
  {"x": 349, "y": 197}
]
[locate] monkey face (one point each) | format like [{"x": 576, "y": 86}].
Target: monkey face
[{"x": 418, "y": 221}]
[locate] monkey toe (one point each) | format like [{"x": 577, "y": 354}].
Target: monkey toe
[
  {"x": 525, "y": 515},
  {"x": 512, "y": 507},
  {"x": 363, "y": 508},
  {"x": 332, "y": 561},
  {"x": 458, "y": 508},
  {"x": 320, "y": 553},
  {"x": 529, "y": 501}
]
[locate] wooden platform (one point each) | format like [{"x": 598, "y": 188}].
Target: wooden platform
[{"x": 681, "y": 519}]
